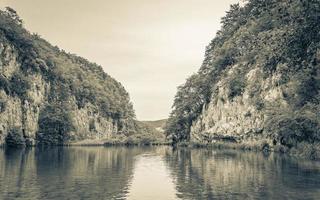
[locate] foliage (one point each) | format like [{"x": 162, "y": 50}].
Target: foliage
[
  {"x": 55, "y": 122},
  {"x": 278, "y": 36},
  {"x": 288, "y": 126},
  {"x": 15, "y": 137},
  {"x": 144, "y": 139},
  {"x": 72, "y": 80},
  {"x": 3, "y": 104},
  {"x": 11, "y": 13},
  {"x": 236, "y": 87},
  {"x": 19, "y": 85}
]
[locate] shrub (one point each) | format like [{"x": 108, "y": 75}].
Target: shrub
[
  {"x": 290, "y": 126},
  {"x": 236, "y": 87},
  {"x": 15, "y": 137},
  {"x": 92, "y": 125},
  {"x": 146, "y": 140},
  {"x": 54, "y": 124},
  {"x": 3, "y": 104},
  {"x": 19, "y": 85}
]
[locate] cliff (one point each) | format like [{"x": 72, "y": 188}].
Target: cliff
[
  {"x": 49, "y": 96},
  {"x": 260, "y": 79}
]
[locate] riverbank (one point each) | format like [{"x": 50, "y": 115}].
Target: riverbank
[
  {"x": 121, "y": 140},
  {"x": 301, "y": 150}
]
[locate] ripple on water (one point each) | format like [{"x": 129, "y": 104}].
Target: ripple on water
[{"x": 153, "y": 173}]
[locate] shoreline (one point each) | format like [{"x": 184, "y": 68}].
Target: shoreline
[{"x": 303, "y": 150}]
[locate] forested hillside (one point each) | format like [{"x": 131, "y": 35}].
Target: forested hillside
[
  {"x": 259, "y": 78},
  {"x": 52, "y": 97}
]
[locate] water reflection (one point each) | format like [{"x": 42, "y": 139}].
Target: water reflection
[
  {"x": 153, "y": 173},
  {"x": 66, "y": 173},
  {"x": 151, "y": 179},
  {"x": 205, "y": 174}
]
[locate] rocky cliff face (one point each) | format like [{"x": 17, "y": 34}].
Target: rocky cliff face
[
  {"x": 242, "y": 117},
  {"x": 260, "y": 78},
  {"x": 47, "y": 95}
]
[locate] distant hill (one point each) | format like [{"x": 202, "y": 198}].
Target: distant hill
[{"x": 159, "y": 125}]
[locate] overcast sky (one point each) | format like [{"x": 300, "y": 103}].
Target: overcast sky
[{"x": 150, "y": 46}]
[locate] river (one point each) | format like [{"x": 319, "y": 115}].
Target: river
[{"x": 153, "y": 173}]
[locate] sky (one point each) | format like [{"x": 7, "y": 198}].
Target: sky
[{"x": 150, "y": 46}]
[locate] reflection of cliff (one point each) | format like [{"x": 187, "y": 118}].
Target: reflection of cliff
[
  {"x": 107, "y": 173},
  {"x": 205, "y": 174},
  {"x": 66, "y": 173},
  {"x": 17, "y": 174}
]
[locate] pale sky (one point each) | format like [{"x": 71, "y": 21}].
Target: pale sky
[{"x": 150, "y": 46}]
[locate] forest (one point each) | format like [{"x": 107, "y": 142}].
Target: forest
[{"x": 280, "y": 38}]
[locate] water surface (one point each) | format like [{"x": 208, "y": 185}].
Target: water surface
[{"x": 153, "y": 173}]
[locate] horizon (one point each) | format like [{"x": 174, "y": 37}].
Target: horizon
[{"x": 151, "y": 56}]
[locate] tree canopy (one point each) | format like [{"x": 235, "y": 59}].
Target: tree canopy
[{"x": 278, "y": 36}]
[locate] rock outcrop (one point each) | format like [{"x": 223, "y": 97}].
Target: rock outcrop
[
  {"x": 243, "y": 116},
  {"x": 260, "y": 79},
  {"x": 49, "y": 96}
]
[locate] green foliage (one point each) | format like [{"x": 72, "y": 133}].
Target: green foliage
[
  {"x": 55, "y": 122},
  {"x": 15, "y": 137}
]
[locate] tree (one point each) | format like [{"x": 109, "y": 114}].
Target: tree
[
  {"x": 264, "y": 35},
  {"x": 13, "y": 15},
  {"x": 55, "y": 123}
]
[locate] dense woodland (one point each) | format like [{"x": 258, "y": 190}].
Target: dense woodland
[
  {"x": 70, "y": 77},
  {"x": 278, "y": 36}
]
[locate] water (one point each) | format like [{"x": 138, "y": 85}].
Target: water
[{"x": 153, "y": 173}]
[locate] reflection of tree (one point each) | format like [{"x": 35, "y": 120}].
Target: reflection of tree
[
  {"x": 106, "y": 173},
  {"x": 207, "y": 174},
  {"x": 17, "y": 173},
  {"x": 67, "y": 173}
]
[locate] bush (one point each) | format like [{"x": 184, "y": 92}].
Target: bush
[
  {"x": 146, "y": 140},
  {"x": 307, "y": 150},
  {"x": 15, "y": 137},
  {"x": 92, "y": 125},
  {"x": 289, "y": 127},
  {"x": 19, "y": 85},
  {"x": 236, "y": 87},
  {"x": 3, "y": 104},
  {"x": 54, "y": 124}
]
